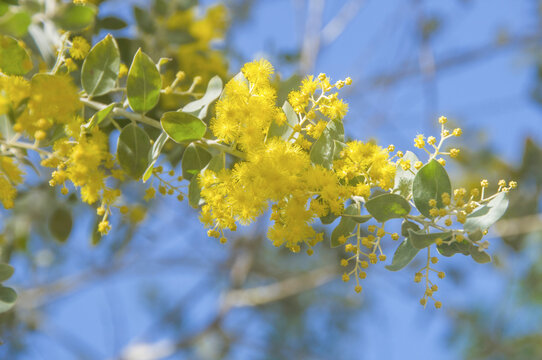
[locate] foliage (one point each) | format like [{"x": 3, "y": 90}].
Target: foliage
[{"x": 243, "y": 155}]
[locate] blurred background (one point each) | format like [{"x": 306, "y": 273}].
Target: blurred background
[{"x": 158, "y": 288}]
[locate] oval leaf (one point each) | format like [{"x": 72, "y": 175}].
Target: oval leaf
[
  {"x": 154, "y": 154},
  {"x": 100, "y": 70},
  {"x": 430, "y": 182},
  {"x": 99, "y": 117},
  {"x": 404, "y": 254},
  {"x": 327, "y": 148},
  {"x": 194, "y": 193},
  {"x": 346, "y": 225},
  {"x": 143, "y": 84},
  {"x": 422, "y": 240},
  {"x": 8, "y": 296},
  {"x": 449, "y": 250},
  {"x": 199, "y": 107},
  {"x": 60, "y": 224},
  {"x": 133, "y": 150},
  {"x": 406, "y": 225},
  {"x": 76, "y": 17},
  {"x": 479, "y": 255},
  {"x": 388, "y": 206},
  {"x": 6, "y": 271},
  {"x": 182, "y": 127},
  {"x": 14, "y": 59},
  {"x": 405, "y": 178},
  {"x": 194, "y": 160},
  {"x": 486, "y": 215}
]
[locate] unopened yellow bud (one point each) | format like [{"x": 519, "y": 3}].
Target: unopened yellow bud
[
  {"x": 454, "y": 153},
  {"x": 423, "y": 301},
  {"x": 457, "y": 132}
]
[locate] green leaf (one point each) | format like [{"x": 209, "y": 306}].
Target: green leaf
[
  {"x": 284, "y": 131},
  {"x": 346, "y": 225},
  {"x": 60, "y": 224},
  {"x": 408, "y": 225},
  {"x": 9, "y": 2},
  {"x": 14, "y": 59},
  {"x": 6, "y": 271},
  {"x": 76, "y": 17},
  {"x": 430, "y": 182},
  {"x": 133, "y": 150},
  {"x": 100, "y": 70},
  {"x": 217, "y": 163},
  {"x": 111, "y": 23},
  {"x": 327, "y": 148},
  {"x": 154, "y": 154},
  {"x": 404, "y": 254},
  {"x": 182, "y": 127},
  {"x": 360, "y": 219},
  {"x": 486, "y": 215},
  {"x": 8, "y": 296},
  {"x": 405, "y": 178},
  {"x": 476, "y": 235},
  {"x": 200, "y": 107},
  {"x": 144, "y": 20},
  {"x": 194, "y": 193},
  {"x": 479, "y": 255},
  {"x": 143, "y": 84},
  {"x": 99, "y": 117},
  {"x": 454, "y": 248},
  {"x": 421, "y": 240},
  {"x": 388, "y": 206},
  {"x": 194, "y": 160},
  {"x": 329, "y": 218},
  {"x": 16, "y": 23}
]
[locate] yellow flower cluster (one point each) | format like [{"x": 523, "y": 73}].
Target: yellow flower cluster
[
  {"x": 275, "y": 171},
  {"x": 312, "y": 96},
  {"x": 279, "y": 173},
  {"x": 10, "y": 176},
  {"x": 13, "y": 90},
  {"x": 85, "y": 160},
  {"x": 53, "y": 99},
  {"x": 368, "y": 162},
  {"x": 80, "y": 48},
  {"x": 248, "y": 108}
]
